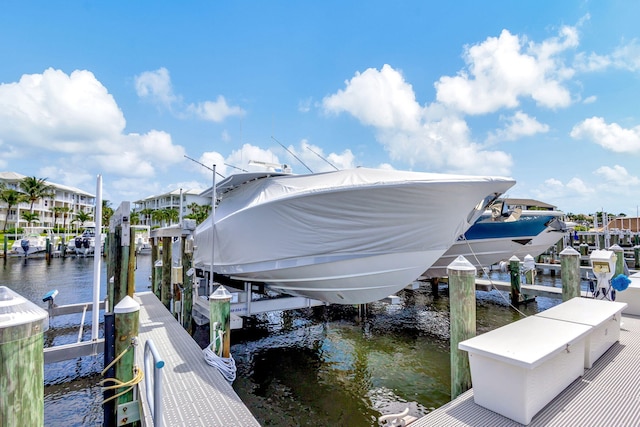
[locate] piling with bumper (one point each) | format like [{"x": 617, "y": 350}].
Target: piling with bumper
[
  {"x": 22, "y": 326},
  {"x": 220, "y": 319}
]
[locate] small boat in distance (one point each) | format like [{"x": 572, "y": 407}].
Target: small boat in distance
[
  {"x": 84, "y": 244},
  {"x": 33, "y": 241},
  {"x": 348, "y": 237},
  {"x": 499, "y": 234}
]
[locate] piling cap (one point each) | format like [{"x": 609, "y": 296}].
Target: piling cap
[
  {"x": 221, "y": 293},
  {"x": 461, "y": 264},
  {"x": 15, "y": 310}
]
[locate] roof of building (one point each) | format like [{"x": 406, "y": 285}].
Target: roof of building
[
  {"x": 192, "y": 192},
  {"x": 14, "y": 176},
  {"x": 530, "y": 203}
]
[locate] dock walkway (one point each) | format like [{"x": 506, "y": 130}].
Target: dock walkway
[
  {"x": 194, "y": 393},
  {"x": 607, "y": 395}
]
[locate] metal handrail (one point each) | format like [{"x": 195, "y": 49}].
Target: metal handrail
[{"x": 154, "y": 398}]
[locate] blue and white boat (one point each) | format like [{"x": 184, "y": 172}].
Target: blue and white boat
[{"x": 499, "y": 235}]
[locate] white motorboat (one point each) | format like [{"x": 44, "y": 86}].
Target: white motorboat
[
  {"x": 350, "y": 236},
  {"x": 84, "y": 244},
  {"x": 33, "y": 241},
  {"x": 142, "y": 238},
  {"x": 497, "y": 237}
]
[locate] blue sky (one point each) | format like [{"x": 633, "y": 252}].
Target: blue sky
[{"x": 546, "y": 92}]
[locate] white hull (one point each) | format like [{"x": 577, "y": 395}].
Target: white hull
[
  {"x": 341, "y": 282},
  {"x": 338, "y": 237},
  {"x": 540, "y": 244}
]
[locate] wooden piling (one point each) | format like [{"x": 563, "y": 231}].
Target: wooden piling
[
  {"x": 529, "y": 265},
  {"x": 5, "y": 246},
  {"x": 220, "y": 315},
  {"x": 187, "y": 281},
  {"x": 462, "y": 315},
  {"x": 47, "y": 249},
  {"x": 570, "y": 272},
  {"x": 155, "y": 288},
  {"x": 619, "y": 259},
  {"x": 22, "y": 327},
  {"x": 127, "y": 315},
  {"x": 514, "y": 270},
  {"x": 165, "y": 287},
  {"x": 636, "y": 256},
  {"x": 121, "y": 262}
]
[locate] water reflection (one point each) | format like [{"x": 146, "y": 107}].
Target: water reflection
[{"x": 312, "y": 367}]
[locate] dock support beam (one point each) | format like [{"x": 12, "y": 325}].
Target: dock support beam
[
  {"x": 165, "y": 290},
  {"x": 570, "y": 272},
  {"x": 462, "y": 314},
  {"x": 187, "y": 282},
  {"x": 514, "y": 270}
]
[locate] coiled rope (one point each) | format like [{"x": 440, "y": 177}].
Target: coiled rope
[
  {"x": 213, "y": 355},
  {"x": 137, "y": 375}
]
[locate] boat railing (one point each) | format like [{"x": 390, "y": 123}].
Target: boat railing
[{"x": 153, "y": 394}]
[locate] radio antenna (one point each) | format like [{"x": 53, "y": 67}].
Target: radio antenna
[
  {"x": 289, "y": 151},
  {"x": 328, "y": 162}
]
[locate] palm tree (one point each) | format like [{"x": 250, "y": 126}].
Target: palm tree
[
  {"x": 35, "y": 189},
  {"x": 198, "y": 212},
  {"x": 107, "y": 212},
  {"x": 12, "y": 198},
  {"x": 134, "y": 218},
  {"x": 165, "y": 214},
  {"x": 30, "y": 217},
  {"x": 57, "y": 210},
  {"x": 147, "y": 212},
  {"x": 82, "y": 217}
]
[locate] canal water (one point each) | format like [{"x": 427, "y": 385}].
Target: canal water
[{"x": 313, "y": 367}]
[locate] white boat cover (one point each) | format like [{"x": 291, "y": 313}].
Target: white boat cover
[{"x": 297, "y": 225}]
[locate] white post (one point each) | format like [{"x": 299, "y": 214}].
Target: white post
[
  {"x": 213, "y": 230},
  {"x": 97, "y": 260}
]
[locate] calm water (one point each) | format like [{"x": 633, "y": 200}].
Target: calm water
[{"x": 313, "y": 367}]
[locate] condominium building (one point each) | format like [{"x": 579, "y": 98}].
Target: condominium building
[
  {"x": 170, "y": 200},
  {"x": 56, "y": 211}
]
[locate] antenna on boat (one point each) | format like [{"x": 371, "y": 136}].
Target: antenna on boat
[
  {"x": 202, "y": 164},
  {"x": 235, "y": 167},
  {"x": 289, "y": 151},
  {"x": 330, "y": 164}
]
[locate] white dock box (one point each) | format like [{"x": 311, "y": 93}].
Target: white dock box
[
  {"x": 519, "y": 368},
  {"x": 631, "y": 296},
  {"x": 604, "y": 316}
]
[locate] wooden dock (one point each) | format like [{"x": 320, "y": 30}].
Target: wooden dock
[
  {"x": 608, "y": 394},
  {"x": 193, "y": 392}
]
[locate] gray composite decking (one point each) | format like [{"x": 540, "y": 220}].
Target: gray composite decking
[
  {"x": 194, "y": 393},
  {"x": 607, "y": 395}
]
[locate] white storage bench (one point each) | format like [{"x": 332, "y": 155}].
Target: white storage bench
[
  {"x": 519, "y": 368},
  {"x": 631, "y": 296},
  {"x": 603, "y": 315}
]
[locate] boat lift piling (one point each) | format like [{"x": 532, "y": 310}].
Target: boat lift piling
[
  {"x": 122, "y": 258},
  {"x": 462, "y": 314},
  {"x": 514, "y": 270},
  {"x": 165, "y": 283},
  {"x": 570, "y": 273},
  {"x": 22, "y": 326}
]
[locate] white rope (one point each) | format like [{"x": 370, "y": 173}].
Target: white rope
[{"x": 226, "y": 366}]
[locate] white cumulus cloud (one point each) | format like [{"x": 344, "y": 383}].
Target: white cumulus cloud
[{"x": 611, "y": 136}]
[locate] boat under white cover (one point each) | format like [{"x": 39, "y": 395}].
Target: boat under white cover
[
  {"x": 494, "y": 239},
  {"x": 348, "y": 237}
]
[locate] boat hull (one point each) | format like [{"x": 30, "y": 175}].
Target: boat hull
[
  {"x": 351, "y": 281},
  {"x": 488, "y": 243},
  {"x": 348, "y": 243}
]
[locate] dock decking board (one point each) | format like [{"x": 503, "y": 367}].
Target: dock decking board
[
  {"x": 194, "y": 393},
  {"x": 607, "y": 395}
]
